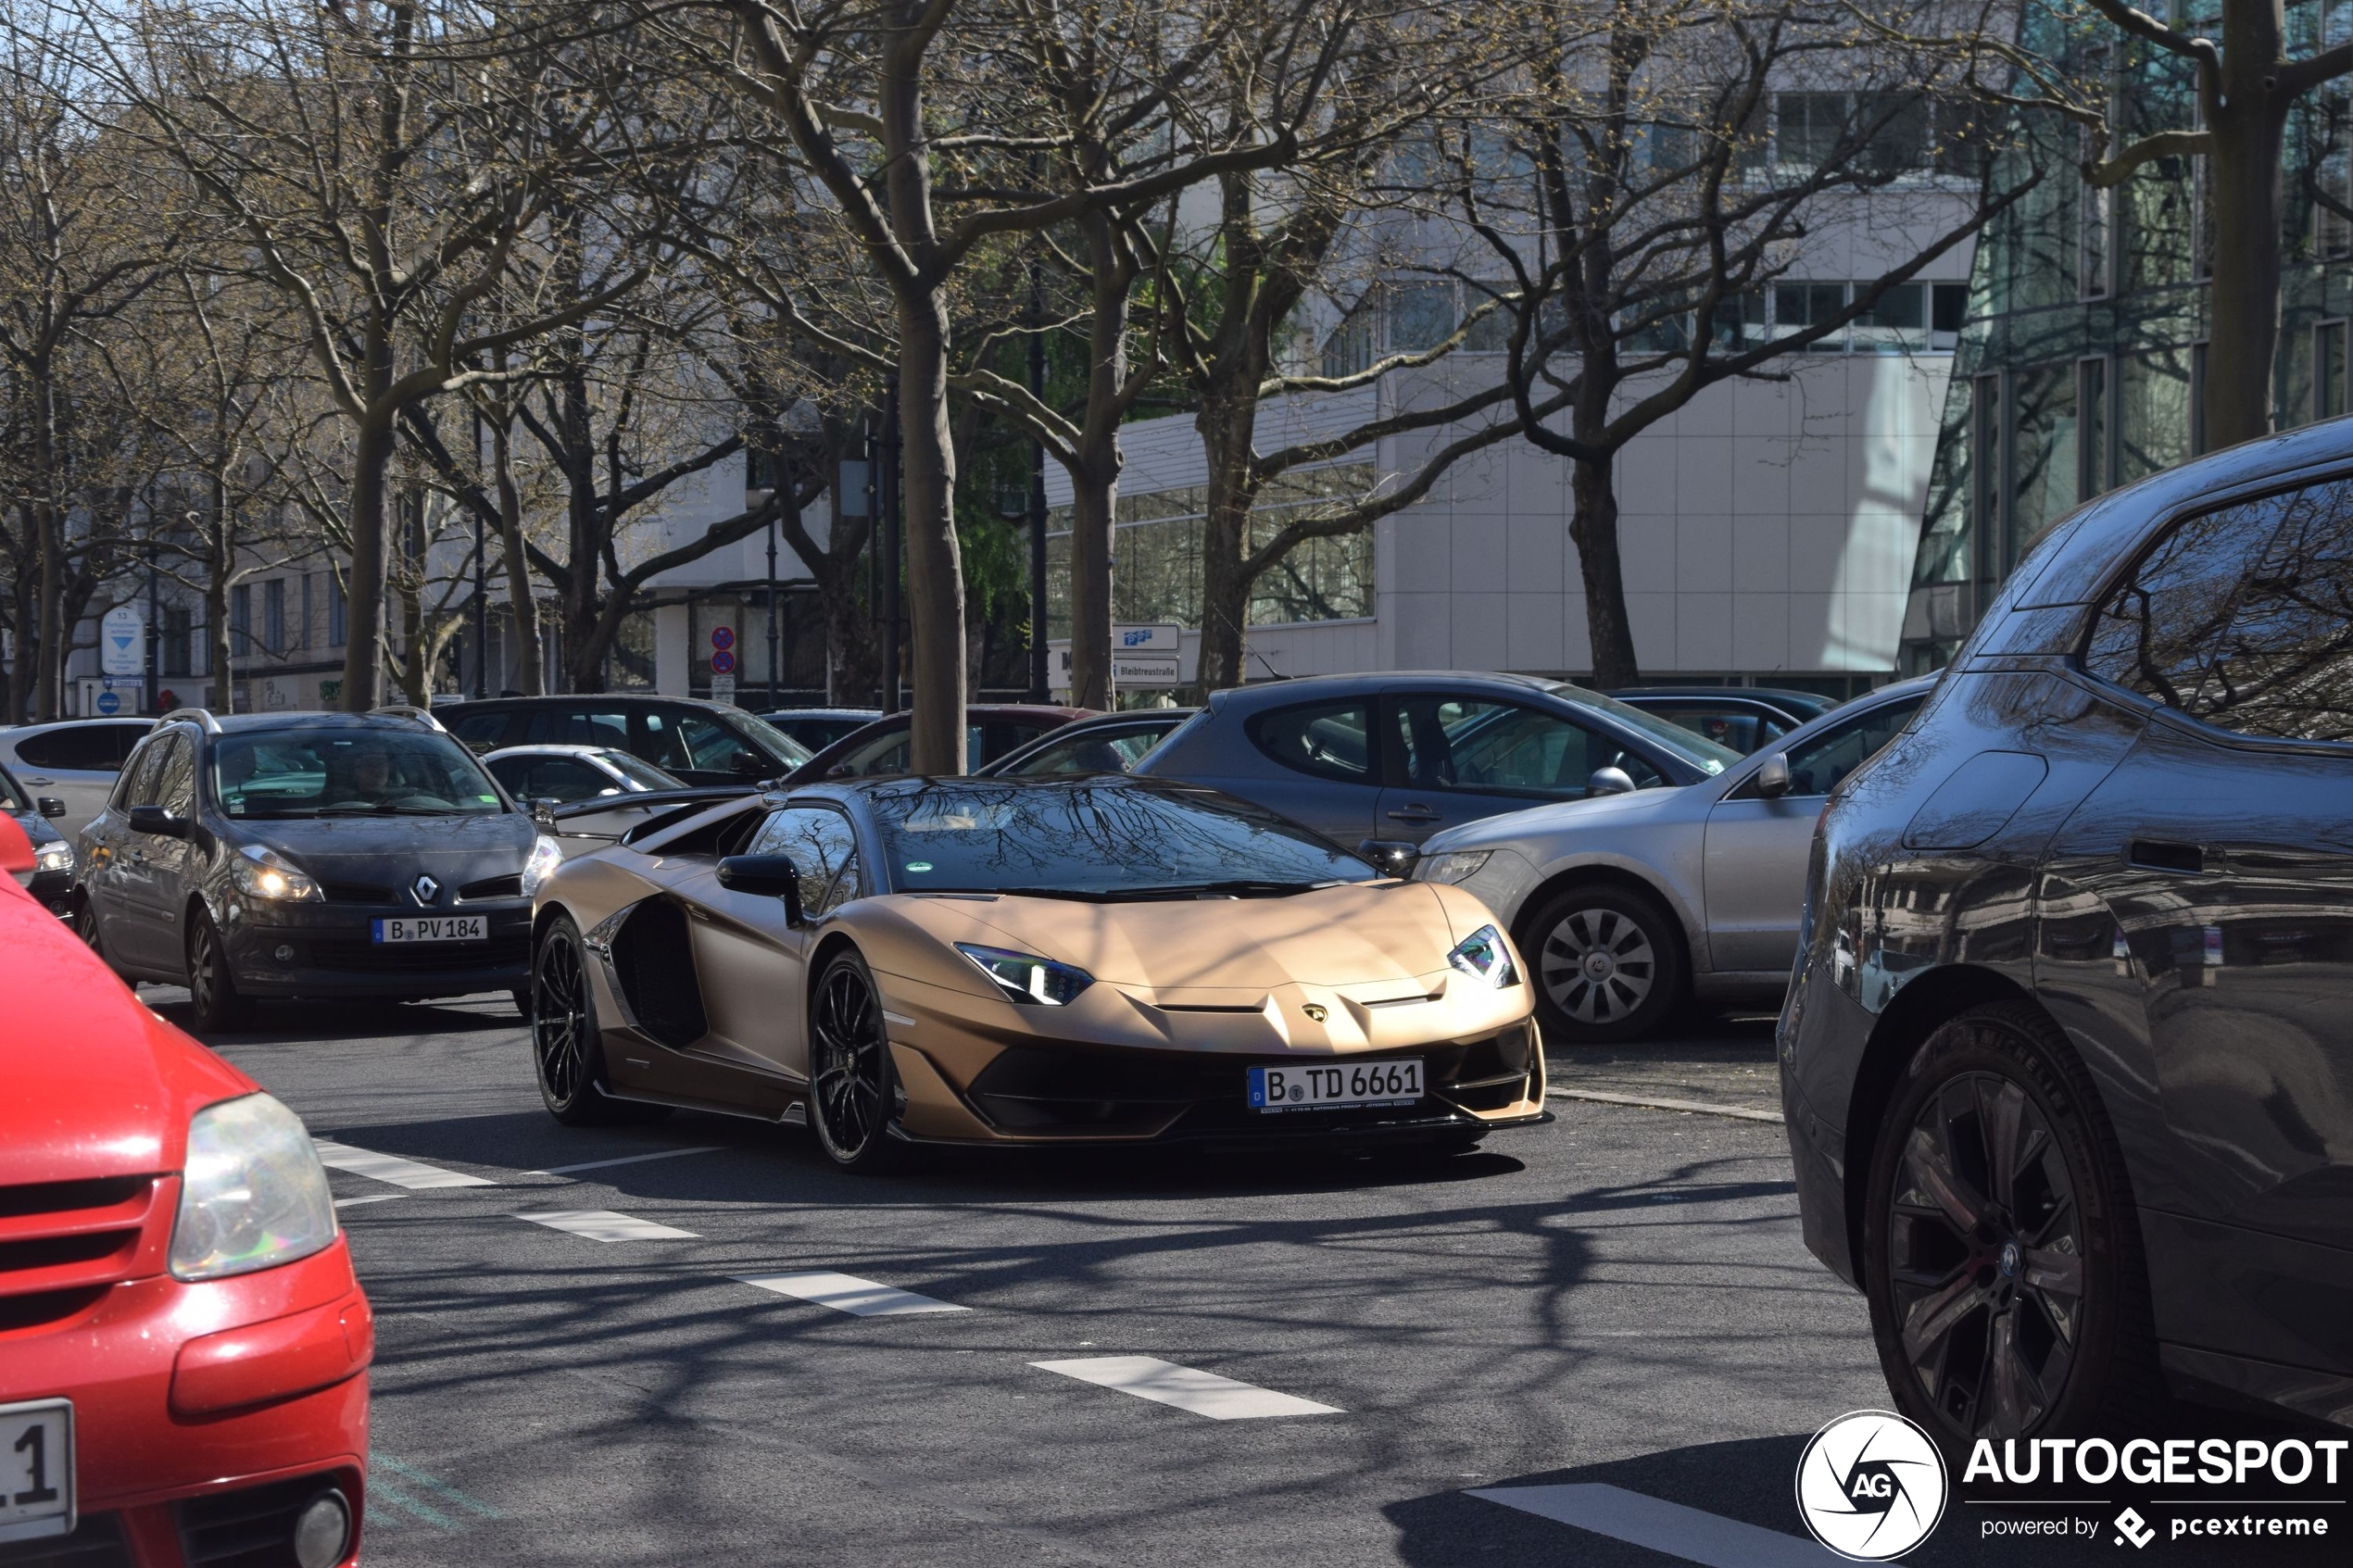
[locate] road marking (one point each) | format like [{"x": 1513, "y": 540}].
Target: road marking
[
  {"x": 472, "y": 1505},
  {"x": 603, "y": 1224},
  {"x": 1203, "y": 1393},
  {"x": 371, "y": 1198},
  {"x": 624, "y": 1160},
  {"x": 1670, "y": 1528},
  {"x": 847, "y": 1292},
  {"x": 391, "y": 1168},
  {"x": 1654, "y": 1102}
]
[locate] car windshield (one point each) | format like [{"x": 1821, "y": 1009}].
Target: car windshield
[
  {"x": 1698, "y": 750},
  {"x": 772, "y": 740},
  {"x": 334, "y": 773},
  {"x": 1097, "y": 837},
  {"x": 644, "y": 774},
  {"x": 12, "y": 798}
]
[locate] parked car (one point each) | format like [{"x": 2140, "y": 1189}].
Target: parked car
[
  {"x": 1110, "y": 742},
  {"x": 1400, "y": 756},
  {"x": 879, "y": 749},
  {"x": 702, "y": 743},
  {"x": 1628, "y": 904},
  {"x": 565, "y": 773},
  {"x": 74, "y": 760},
  {"x": 182, "y": 1373},
  {"x": 818, "y": 728},
  {"x": 50, "y": 877},
  {"x": 1744, "y": 718},
  {"x": 1122, "y": 960},
  {"x": 2067, "y": 1055},
  {"x": 309, "y": 855}
]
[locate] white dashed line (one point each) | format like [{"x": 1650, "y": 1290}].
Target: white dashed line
[
  {"x": 1688, "y": 1532},
  {"x": 371, "y": 1198},
  {"x": 391, "y": 1168},
  {"x": 603, "y": 1224},
  {"x": 1203, "y": 1393},
  {"x": 624, "y": 1160},
  {"x": 1656, "y": 1103},
  {"x": 847, "y": 1292}
]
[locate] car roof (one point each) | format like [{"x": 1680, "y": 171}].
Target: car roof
[
  {"x": 578, "y": 699},
  {"x": 775, "y": 714},
  {"x": 549, "y": 748},
  {"x": 1307, "y": 688},
  {"x": 233, "y": 723}
]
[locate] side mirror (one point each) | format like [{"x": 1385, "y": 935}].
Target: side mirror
[
  {"x": 1772, "y": 779},
  {"x": 156, "y": 820},
  {"x": 764, "y": 876},
  {"x": 751, "y": 765},
  {"x": 51, "y": 805},
  {"x": 841, "y": 770},
  {"x": 543, "y": 812},
  {"x": 1609, "y": 780},
  {"x": 1395, "y": 857}
]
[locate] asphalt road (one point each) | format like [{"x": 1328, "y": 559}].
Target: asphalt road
[{"x": 1619, "y": 1298}]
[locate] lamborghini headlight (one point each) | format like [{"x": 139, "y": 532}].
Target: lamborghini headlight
[
  {"x": 1483, "y": 956},
  {"x": 545, "y": 856},
  {"x": 1459, "y": 866},
  {"x": 1025, "y": 978},
  {"x": 254, "y": 1195},
  {"x": 264, "y": 874}
]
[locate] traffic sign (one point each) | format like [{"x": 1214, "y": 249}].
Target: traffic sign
[
  {"x": 723, "y": 662},
  {"x": 122, "y": 642},
  {"x": 723, "y": 637},
  {"x": 109, "y": 703},
  {"x": 723, "y": 688}
]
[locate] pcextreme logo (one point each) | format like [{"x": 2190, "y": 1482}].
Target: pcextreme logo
[{"x": 1870, "y": 1485}]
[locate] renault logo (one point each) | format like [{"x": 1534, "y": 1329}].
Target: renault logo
[
  {"x": 426, "y": 889},
  {"x": 1314, "y": 1011}
]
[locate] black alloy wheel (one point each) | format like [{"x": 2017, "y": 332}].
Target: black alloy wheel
[
  {"x": 212, "y": 986},
  {"x": 567, "y": 1048},
  {"x": 1607, "y": 964},
  {"x": 853, "y": 1092},
  {"x": 2001, "y": 1252}
]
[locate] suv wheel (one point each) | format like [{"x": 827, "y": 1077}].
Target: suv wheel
[
  {"x": 212, "y": 985},
  {"x": 2001, "y": 1252},
  {"x": 1607, "y": 964}
]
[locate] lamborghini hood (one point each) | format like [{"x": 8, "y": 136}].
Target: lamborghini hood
[{"x": 1358, "y": 934}]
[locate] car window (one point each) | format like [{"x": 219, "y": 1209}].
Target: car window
[
  {"x": 576, "y": 726},
  {"x": 1739, "y": 728},
  {"x": 89, "y": 748},
  {"x": 821, "y": 844},
  {"x": 175, "y": 784},
  {"x": 312, "y": 772},
  {"x": 2158, "y": 632},
  {"x": 137, "y": 786},
  {"x": 559, "y": 779},
  {"x": 682, "y": 740},
  {"x": 1817, "y": 766},
  {"x": 1089, "y": 753},
  {"x": 1331, "y": 740},
  {"x": 2285, "y": 668},
  {"x": 12, "y": 795},
  {"x": 639, "y": 772},
  {"x": 1490, "y": 747},
  {"x": 886, "y": 755},
  {"x": 484, "y": 731},
  {"x": 1005, "y": 736}
]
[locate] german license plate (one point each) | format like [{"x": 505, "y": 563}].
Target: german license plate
[
  {"x": 36, "y": 1470},
  {"x": 433, "y": 928},
  {"x": 1325, "y": 1087}
]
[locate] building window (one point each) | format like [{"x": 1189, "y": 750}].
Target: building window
[
  {"x": 2328, "y": 370},
  {"x": 273, "y": 615},
  {"x": 241, "y": 619},
  {"x": 302, "y": 621},
  {"x": 1799, "y": 305},
  {"x": 1421, "y": 316},
  {"x": 338, "y": 612},
  {"x": 178, "y": 634},
  {"x": 1809, "y": 128},
  {"x": 2093, "y": 468}
]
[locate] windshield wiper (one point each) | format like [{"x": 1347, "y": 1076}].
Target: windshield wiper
[{"x": 364, "y": 808}]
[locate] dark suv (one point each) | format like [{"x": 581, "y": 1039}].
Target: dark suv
[
  {"x": 309, "y": 855},
  {"x": 2068, "y": 1060},
  {"x": 698, "y": 743}
]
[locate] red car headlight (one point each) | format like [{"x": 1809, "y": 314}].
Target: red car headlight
[{"x": 254, "y": 1195}]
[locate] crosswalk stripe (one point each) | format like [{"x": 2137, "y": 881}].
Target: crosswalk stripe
[
  {"x": 391, "y": 1168},
  {"x": 1688, "y": 1532},
  {"x": 603, "y": 1224},
  {"x": 847, "y": 1292},
  {"x": 371, "y": 1198},
  {"x": 624, "y": 1160},
  {"x": 1189, "y": 1389}
]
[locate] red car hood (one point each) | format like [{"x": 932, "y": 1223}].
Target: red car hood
[{"x": 94, "y": 1083}]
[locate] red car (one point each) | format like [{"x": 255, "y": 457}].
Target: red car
[{"x": 182, "y": 1344}]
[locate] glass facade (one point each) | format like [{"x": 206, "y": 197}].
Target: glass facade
[{"x": 2083, "y": 350}]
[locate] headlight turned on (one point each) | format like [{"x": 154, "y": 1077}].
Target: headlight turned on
[
  {"x": 264, "y": 874},
  {"x": 1483, "y": 956},
  {"x": 1028, "y": 979},
  {"x": 253, "y": 1196},
  {"x": 545, "y": 856},
  {"x": 56, "y": 855},
  {"x": 1459, "y": 866}
]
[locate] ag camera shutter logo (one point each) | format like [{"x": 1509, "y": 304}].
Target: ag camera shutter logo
[{"x": 1870, "y": 1485}]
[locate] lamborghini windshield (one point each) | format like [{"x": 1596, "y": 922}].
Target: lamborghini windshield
[{"x": 1096, "y": 837}]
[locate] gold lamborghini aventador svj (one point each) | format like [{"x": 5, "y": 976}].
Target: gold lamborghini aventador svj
[{"x": 1059, "y": 959}]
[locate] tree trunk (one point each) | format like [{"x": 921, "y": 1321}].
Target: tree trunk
[
  {"x": 56, "y": 637},
  {"x": 531, "y": 666},
  {"x": 582, "y": 667},
  {"x": 1594, "y": 528},
  {"x": 22, "y": 619},
  {"x": 1227, "y": 423},
  {"x": 2243, "y": 174},
  {"x": 220, "y": 564},
  {"x": 1094, "y": 477},
  {"x": 364, "y": 625},
  {"x": 933, "y": 560}
]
